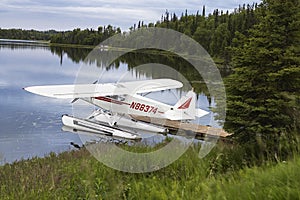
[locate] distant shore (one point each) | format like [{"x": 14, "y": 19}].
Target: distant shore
[
  {"x": 25, "y": 41},
  {"x": 43, "y": 42}
]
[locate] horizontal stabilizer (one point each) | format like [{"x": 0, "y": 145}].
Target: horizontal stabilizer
[{"x": 201, "y": 113}]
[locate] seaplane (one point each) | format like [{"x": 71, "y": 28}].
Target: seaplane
[{"x": 117, "y": 103}]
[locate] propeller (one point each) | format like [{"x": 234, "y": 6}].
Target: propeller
[{"x": 74, "y": 100}]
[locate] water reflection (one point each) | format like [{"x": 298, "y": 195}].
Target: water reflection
[
  {"x": 77, "y": 55},
  {"x": 30, "y": 125}
]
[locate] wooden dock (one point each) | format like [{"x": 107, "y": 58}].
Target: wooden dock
[{"x": 200, "y": 130}]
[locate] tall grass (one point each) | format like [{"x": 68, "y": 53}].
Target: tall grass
[{"x": 77, "y": 175}]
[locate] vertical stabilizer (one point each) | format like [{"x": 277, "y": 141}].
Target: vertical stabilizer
[
  {"x": 187, "y": 104},
  {"x": 185, "y": 108}
]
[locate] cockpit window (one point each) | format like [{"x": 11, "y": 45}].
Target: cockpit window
[{"x": 118, "y": 97}]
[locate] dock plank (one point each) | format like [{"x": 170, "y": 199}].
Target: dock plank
[{"x": 200, "y": 130}]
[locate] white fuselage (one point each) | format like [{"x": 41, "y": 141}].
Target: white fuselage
[{"x": 138, "y": 105}]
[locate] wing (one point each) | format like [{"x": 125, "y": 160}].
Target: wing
[
  {"x": 107, "y": 89},
  {"x": 150, "y": 85}
]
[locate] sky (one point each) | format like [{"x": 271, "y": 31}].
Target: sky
[{"x": 70, "y": 14}]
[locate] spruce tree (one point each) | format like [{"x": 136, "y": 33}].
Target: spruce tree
[{"x": 264, "y": 90}]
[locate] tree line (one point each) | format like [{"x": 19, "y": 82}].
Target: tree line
[
  {"x": 77, "y": 36},
  {"x": 216, "y": 32},
  {"x": 86, "y": 36},
  {"x": 21, "y": 34}
]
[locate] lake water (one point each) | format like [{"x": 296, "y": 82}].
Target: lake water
[{"x": 30, "y": 125}]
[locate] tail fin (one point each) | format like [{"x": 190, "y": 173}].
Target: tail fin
[
  {"x": 187, "y": 101},
  {"x": 187, "y": 104}
]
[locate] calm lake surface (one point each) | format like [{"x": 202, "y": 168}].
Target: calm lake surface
[{"x": 30, "y": 125}]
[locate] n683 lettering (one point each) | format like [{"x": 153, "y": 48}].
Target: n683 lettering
[{"x": 143, "y": 107}]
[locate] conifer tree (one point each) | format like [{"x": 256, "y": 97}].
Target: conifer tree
[{"x": 263, "y": 91}]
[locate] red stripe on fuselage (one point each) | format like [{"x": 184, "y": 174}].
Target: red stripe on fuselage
[
  {"x": 111, "y": 100},
  {"x": 186, "y": 104}
]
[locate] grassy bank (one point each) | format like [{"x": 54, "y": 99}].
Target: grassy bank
[{"x": 77, "y": 175}]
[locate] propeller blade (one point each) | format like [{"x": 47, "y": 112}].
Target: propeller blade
[{"x": 74, "y": 100}]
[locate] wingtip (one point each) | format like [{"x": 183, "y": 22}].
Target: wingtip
[{"x": 26, "y": 89}]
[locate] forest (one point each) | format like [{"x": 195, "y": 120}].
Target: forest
[{"x": 261, "y": 45}]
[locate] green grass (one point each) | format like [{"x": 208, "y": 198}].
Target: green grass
[{"x": 77, "y": 175}]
